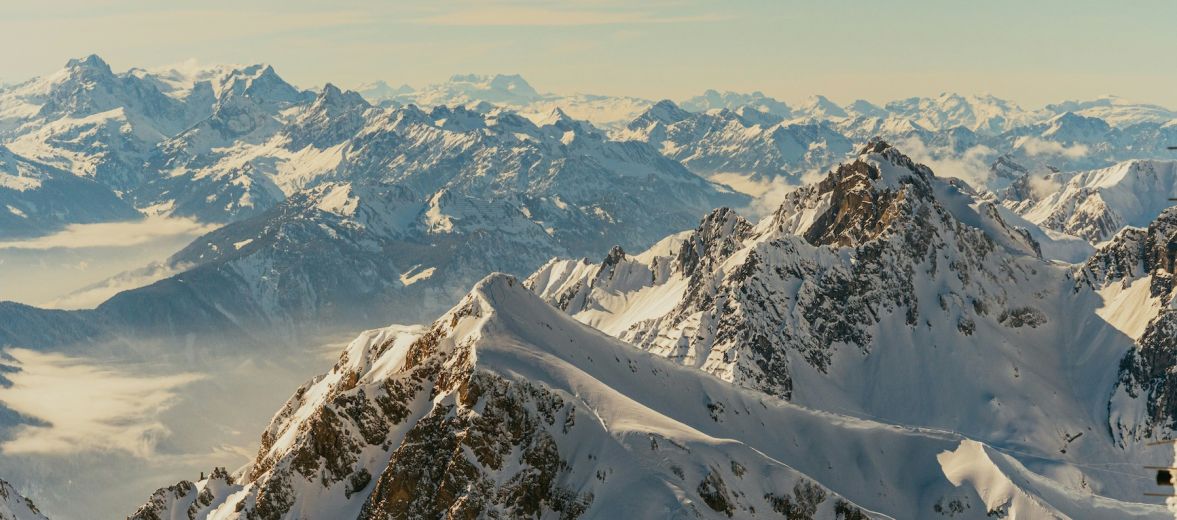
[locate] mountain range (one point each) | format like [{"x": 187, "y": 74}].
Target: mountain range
[
  {"x": 932, "y": 307},
  {"x": 884, "y": 345},
  {"x": 344, "y": 213}
]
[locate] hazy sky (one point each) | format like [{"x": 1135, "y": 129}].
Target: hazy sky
[{"x": 1030, "y": 51}]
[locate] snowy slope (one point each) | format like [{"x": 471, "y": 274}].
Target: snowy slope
[
  {"x": 505, "y": 406},
  {"x": 36, "y": 198},
  {"x": 414, "y": 194},
  {"x": 1096, "y": 204},
  {"x": 260, "y": 144},
  {"x": 1133, "y": 273},
  {"x": 874, "y": 293},
  {"x": 15, "y": 507}
]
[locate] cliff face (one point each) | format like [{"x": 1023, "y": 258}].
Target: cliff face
[{"x": 13, "y": 506}]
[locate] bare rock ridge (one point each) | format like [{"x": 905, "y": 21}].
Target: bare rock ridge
[{"x": 13, "y": 506}]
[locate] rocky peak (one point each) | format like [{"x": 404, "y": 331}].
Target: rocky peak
[
  {"x": 858, "y": 200},
  {"x": 457, "y": 118},
  {"x": 616, "y": 256},
  {"x": 1147, "y": 380},
  {"x": 262, "y": 85},
  {"x": 88, "y": 86},
  {"x": 332, "y": 96},
  {"x": 718, "y": 235},
  {"x": 499, "y": 88},
  {"x": 91, "y": 64},
  {"x": 1007, "y": 168},
  {"x": 1161, "y": 245},
  {"x": 332, "y": 118},
  {"x": 664, "y": 112},
  {"x": 13, "y": 506},
  {"x": 1136, "y": 252}
]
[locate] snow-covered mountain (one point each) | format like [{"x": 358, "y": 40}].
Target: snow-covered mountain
[
  {"x": 507, "y": 89},
  {"x": 141, "y": 135},
  {"x": 1099, "y": 203},
  {"x": 427, "y": 202},
  {"x": 987, "y": 141},
  {"x": 1116, "y": 111},
  {"x": 510, "y": 91},
  {"x": 506, "y": 407},
  {"x": 746, "y": 142},
  {"x": 986, "y": 114},
  {"x": 820, "y": 108},
  {"x": 13, "y": 506},
  {"x": 90, "y": 121},
  {"x": 885, "y": 292},
  {"x": 714, "y": 100},
  {"x": 223, "y": 143},
  {"x": 378, "y": 91},
  {"x": 399, "y": 213},
  {"x": 36, "y": 198}
]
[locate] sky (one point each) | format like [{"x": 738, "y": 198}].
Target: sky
[{"x": 1032, "y": 52}]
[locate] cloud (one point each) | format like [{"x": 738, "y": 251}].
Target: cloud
[
  {"x": 525, "y": 16},
  {"x": 88, "y": 406},
  {"x": 767, "y": 194},
  {"x": 971, "y": 166},
  {"x": 1042, "y": 186},
  {"x": 113, "y": 234},
  {"x": 1038, "y": 147},
  {"x": 90, "y": 296}
]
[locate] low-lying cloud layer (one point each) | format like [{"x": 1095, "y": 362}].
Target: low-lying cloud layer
[
  {"x": 1037, "y": 147},
  {"x": 972, "y": 166},
  {"x": 88, "y": 406},
  {"x": 83, "y": 265},
  {"x": 113, "y": 234}
]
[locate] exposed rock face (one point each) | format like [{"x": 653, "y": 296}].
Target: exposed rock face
[
  {"x": 505, "y": 407},
  {"x": 187, "y": 498},
  {"x": 435, "y": 423},
  {"x": 1142, "y": 260},
  {"x": 834, "y": 262},
  {"x": 426, "y": 437},
  {"x": 13, "y": 506},
  {"x": 880, "y": 290},
  {"x": 1096, "y": 204}
]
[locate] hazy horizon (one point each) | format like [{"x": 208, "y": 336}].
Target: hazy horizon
[{"x": 1030, "y": 54}]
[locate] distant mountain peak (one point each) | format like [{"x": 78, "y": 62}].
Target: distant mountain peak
[
  {"x": 333, "y": 95},
  {"x": 664, "y": 112},
  {"x": 712, "y": 99},
  {"x": 863, "y": 107},
  {"x": 819, "y": 106},
  {"x": 92, "y": 62},
  {"x": 507, "y": 83}
]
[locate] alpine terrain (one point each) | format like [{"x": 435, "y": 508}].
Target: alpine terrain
[{"x": 884, "y": 345}]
